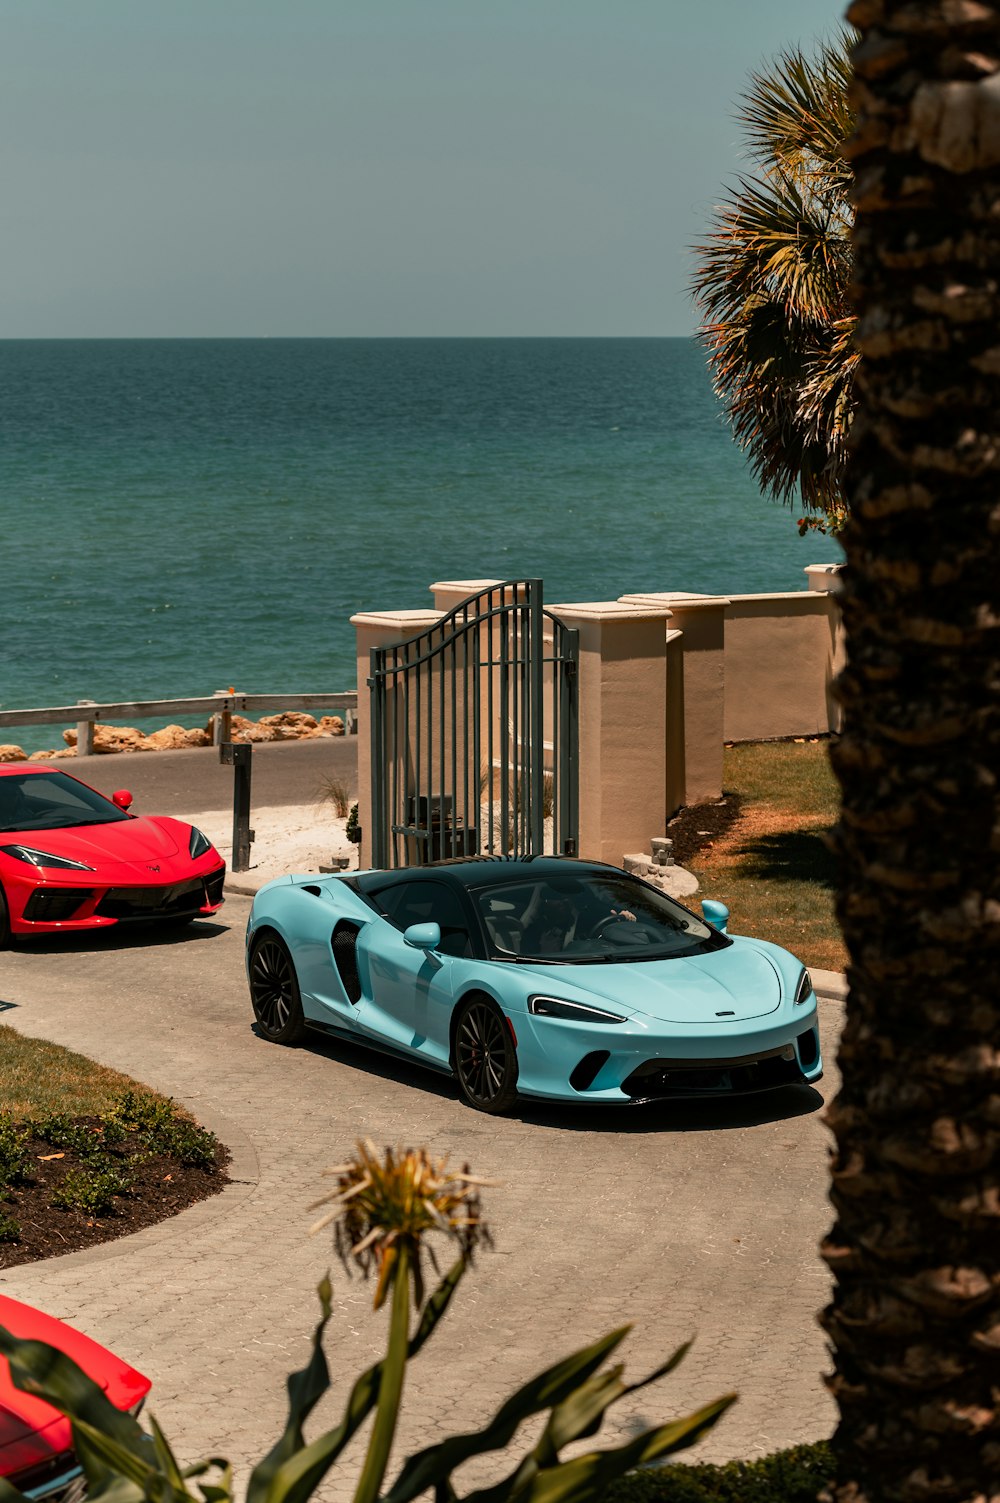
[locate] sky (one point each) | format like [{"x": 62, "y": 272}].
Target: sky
[{"x": 369, "y": 168}]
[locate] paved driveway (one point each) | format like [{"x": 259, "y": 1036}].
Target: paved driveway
[{"x": 699, "y": 1220}]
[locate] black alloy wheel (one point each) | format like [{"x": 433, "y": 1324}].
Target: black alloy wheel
[
  {"x": 485, "y": 1058},
  {"x": 274, "y": 991},
  {"x": 5, "y": 935}
]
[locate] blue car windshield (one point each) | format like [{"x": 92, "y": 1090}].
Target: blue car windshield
[
  {"x": 590, "y": 918},
  {"x": 51, "y": 801}
]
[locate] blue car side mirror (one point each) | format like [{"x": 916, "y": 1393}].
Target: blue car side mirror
[
  {"x": 423, "y": 936},
  {"x": 716, "y": 914}
]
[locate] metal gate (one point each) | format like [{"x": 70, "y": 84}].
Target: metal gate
[{"x": 474, "y": 734}]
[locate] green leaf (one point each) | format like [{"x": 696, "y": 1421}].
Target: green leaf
[
  {"x": 10, "y": 1494},
  {"x": 550, "y": 1387},
  {"x": 585, "y": 1478}
]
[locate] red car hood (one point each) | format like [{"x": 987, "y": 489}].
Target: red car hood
[
  {"x": 31, "y": 1432},
  {"x": 124, "y": 842}
]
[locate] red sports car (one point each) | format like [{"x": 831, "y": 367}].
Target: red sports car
[
  {"x": 72, "y": 859},
  {"x": 36, "y": 1452}
]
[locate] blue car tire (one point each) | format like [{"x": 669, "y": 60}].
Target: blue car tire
[
  {"x": 274, "y": 990},
  {"x": 485, "y": 1058}
]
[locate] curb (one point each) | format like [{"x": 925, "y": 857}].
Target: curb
[
  {"x": 830, "y": 986},
  {"x": 244, "y": 1172}
]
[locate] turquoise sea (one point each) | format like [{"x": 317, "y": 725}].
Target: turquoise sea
[{"x": 182, "y": 515}]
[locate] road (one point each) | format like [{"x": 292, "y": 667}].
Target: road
[{"x": 688, "y": 1220}]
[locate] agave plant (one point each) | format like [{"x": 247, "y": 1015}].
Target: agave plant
[
  {"x": 386, "y": 1208},
  {"x": 772, "y": 281}
]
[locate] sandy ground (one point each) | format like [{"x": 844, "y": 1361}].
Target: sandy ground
[{"x": 287, "y": 838}]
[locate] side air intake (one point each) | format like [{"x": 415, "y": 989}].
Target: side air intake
[{"x": 344, "y": 941}]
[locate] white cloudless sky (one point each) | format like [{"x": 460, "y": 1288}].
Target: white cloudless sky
[{"x": 368, "y": 167}]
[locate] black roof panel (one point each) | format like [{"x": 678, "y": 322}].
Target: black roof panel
[{"x": 486, "y": 871}]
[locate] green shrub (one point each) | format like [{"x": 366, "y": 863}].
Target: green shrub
[
  {"x": 9, "y": 1229},
  {"x": 792, "y": 1476},
  {"x": 180, "y": 1139},
  {"x": 137, "y": 1111},
  {"x": 352, "y": 830},
  {"x": 92, "y": 1191},
  {"x": 14, "y": 1161},
  {"x": 62, "y": 1131}
]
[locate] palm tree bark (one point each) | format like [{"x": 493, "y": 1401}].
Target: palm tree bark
[{"x": 915, "y": 1250}]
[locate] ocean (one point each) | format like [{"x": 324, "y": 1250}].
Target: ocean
[{"x": 179, "y": 516}]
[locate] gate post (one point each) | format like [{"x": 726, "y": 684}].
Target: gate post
[
  {"x": 377, "y": 629},
  {"x": 622, "y": 687}
]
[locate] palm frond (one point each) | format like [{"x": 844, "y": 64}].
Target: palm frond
[{"x": 771, "y": 280}]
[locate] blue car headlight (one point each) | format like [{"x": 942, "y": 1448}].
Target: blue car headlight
[
  {"x": 805, "y": 988},
  {"x": 199, "y": 844},
  {"x": 44, "y": 858},
  {"x": 571, "y": 1012}
]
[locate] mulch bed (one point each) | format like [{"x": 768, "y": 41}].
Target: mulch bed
[
  {"x": 698, "y": 827},
  {"x": 160, "y": 1186}
]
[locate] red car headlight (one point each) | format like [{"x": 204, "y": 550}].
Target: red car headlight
[{"x": 32, "y": 857}]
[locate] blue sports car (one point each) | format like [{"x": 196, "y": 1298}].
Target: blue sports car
[{"x": 545, "y": 977}]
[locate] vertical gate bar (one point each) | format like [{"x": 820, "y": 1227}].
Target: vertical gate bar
[
  {"x": 515, "y": 709},
  {"x": 441, "y": 763},
  {"x": 490, "y": 712},
  {"x": 465, "y": 729},
  {"x": 477, "y": 775},
  {"x": 413, "y": 802},
  {"x": 375, "y": 687},
  {"x": 400, "y": 813},
  {"x": 394, "y": 774},
  {"x": 454, "y": 745},
  {"x": 504, "y": 733},
  {"x": 556, "y": 674},
  {"x": 423, "y": 821},
  {"x": 537, "y": 680}
]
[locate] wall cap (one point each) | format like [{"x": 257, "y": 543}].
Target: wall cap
[
  {"x": 470, "y": 586},
  {"x": 610, "y": 610},
  {"x": 410, "y": 621},
  {"x": 682, "y": 600}
]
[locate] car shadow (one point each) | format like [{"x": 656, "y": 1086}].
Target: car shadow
[
  {"x": 121, "y": 937},
  {"x": 703, "y": 1114}
]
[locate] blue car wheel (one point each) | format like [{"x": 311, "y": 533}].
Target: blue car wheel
[
  {"x": 485, "y": 1058},
  {"x": 274, "y": 991}
]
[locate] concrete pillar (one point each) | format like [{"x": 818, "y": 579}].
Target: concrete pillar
[
  {"x": 377, "y": 629},
  {"x": 622, "y": 706},
  {"x": 824, "y": 577},
  {"x": 702, "y": 619}
]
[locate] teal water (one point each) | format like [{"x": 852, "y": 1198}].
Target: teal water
[{"x": 181, "y": 515}]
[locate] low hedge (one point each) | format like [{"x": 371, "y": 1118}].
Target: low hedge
[{"x": 792, "y": 1476}]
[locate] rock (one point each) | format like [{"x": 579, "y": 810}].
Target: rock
[
  {"x": 117, "y": 738},
  {"x": 290, "y": 725},
  {"x": 175, "y": 738},
  {"x": 12, "y": 754},
  {"x": 44, "y": 756},
  {"x": 250, "y": 730},
  {"x": 330, "y": 725}
]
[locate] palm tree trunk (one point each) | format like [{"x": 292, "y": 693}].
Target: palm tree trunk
[{"x": 915, "y": 1250}]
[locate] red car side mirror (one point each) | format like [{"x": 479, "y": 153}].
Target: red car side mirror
[{"x": 122, "y": 799}]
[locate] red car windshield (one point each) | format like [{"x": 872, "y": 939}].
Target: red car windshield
[{"x": 51, "y": 801}]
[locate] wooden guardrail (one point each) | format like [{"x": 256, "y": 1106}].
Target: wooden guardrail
[{"x": 222, "y": 706}]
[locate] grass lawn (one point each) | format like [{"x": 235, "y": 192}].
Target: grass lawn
[
  {"x": 772, "y": 867},
  {"x": 38, "y": 1078}
]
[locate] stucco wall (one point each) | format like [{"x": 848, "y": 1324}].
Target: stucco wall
[{"x": 781, "y": 653}]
